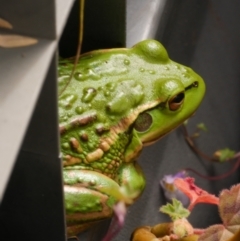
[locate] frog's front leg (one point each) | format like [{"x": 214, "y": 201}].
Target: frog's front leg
[
  {"x": 130, "y": 175},
  {"x": 131, "y": 180},
  {"x": 89, "y": 198},
  {"x": 90, "y": 195}
]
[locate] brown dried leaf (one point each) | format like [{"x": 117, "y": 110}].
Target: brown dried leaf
[
  {"x": 5, "y": 24},
  {"x": 229, "y": 207},
  {"x": 216, "y": 233},
  {"x": 14, "y": 41}
]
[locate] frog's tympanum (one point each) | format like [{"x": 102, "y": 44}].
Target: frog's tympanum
[{"x": 118, "y": 101}]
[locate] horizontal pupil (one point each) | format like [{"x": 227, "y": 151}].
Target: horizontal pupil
[{"x": 178, "y": 98}]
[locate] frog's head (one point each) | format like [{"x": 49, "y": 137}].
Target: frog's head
[{"x": 178, "y": 90}]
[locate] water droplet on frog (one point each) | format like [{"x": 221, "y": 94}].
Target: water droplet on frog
[
  {"x": 89, "y": 94},
  {"x": 91, "y": 74},
  {"x": 151, "y": 72},
  {"x": 110, "y": 86},
  {"x": 176, "y": 66},
  {"x": 142, "y": 69},
  {"x": 107, "y": 93},
  {"x": 78, "y": 76},
  {"x": 70, "y": 98},
  {"x": 185, "y": 75},
  {"x": 79, "y": 109},
  {"x": 67, "y": 100},
  {"x": 166, "y": 68},
  {"x": 126, "y": 62}
]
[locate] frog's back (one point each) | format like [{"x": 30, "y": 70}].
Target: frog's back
[{"x": 114, "y": 82}]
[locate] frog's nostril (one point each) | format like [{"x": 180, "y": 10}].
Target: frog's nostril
[
  {"x": 176, "y": 101},
  {"x": 195, "y": 84}
]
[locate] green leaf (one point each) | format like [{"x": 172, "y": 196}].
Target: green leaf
[
  {"x": 229, "y": 207},
  {"x": 224, "y": 154},
  {"x": 175, "y": 210},
  {"x": 201, "y": 126}
]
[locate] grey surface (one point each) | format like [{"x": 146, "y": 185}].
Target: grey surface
[
  {"x": 33, "y": 200},
  {"x": 23, "y": 71},
  {"x": 32, "y": 205},
  {"x": 143, "y": 18}
]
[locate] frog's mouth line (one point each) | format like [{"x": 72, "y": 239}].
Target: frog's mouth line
[
  {"x": 193, "y": 85},
  {"x": 163, "y": 135}
]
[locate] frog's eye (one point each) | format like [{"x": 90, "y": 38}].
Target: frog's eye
[{"x": 176, "y": 101}]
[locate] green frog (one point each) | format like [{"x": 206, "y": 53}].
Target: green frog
[{"x": 117, "y": 102}]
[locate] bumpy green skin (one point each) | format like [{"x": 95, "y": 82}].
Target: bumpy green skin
[{"x": 117, "y": 101}]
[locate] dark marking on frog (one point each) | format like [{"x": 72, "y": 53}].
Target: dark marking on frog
[
  {"x": 62, "y": 129},
  {"x": 82, "y": 121},
  {"x": 70, "y": 160},
  {"x": 75, "y": 145},
  {"x": 79, "y": 121},
  {"x": 84, "y": 136},
  {"x": 100, "y": 129}
]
